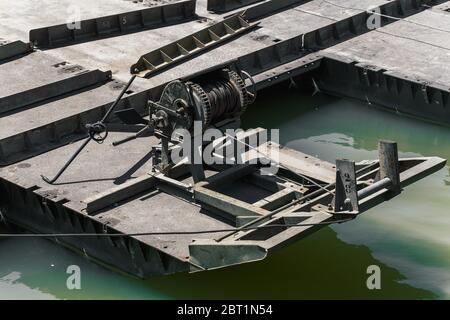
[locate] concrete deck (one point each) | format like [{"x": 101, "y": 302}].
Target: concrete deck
[{"x": 418, "y": 47}]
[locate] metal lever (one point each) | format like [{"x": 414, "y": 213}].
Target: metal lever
[
  {"x": 94, "y": 134},
  {"x": 133, "y": 137},
  {"x": 74, "y": 156}
]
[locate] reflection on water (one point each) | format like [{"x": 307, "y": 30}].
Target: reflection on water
[
  {"x": 407, "y": 237},
  {"x": 410, "y": 232},
  {"x": 321, "y": 266}
]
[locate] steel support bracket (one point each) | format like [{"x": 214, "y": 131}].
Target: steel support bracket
[
  {"x": 346, "y": 195},
  {"x": 389, "y": 165}
]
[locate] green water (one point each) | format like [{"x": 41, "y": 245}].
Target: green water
[{"x": 408, "y": 237}]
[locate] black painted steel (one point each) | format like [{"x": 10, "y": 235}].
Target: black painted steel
[
  {"x": 10, "y": 50},
  {"x": 391, "y": 90},
  {"x": 114, "y": 25},
  {"x": 228, "y": 5},
  {"x": 267, "y": 8},
  {"x": 80, "y": 79},
  {"x": 189, "y": 46}
]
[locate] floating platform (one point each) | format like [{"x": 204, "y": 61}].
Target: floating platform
[{"x": 55, "y": 80}]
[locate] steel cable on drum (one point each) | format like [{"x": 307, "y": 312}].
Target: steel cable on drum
[{"x": 223, "y": 97}]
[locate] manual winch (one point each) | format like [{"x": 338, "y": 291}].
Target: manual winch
[
  {"x": 210, "y": 99},
  {"x": 214, "y": 99}
]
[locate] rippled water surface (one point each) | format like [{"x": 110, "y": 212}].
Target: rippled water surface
[{"x": 408, "y": 237}]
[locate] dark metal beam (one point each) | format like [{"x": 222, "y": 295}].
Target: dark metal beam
[
  {"x": 267, "y": 8},
  {"x": 54, "y": 134},
  {"x": 346, "y": 195},
  {"x": 301, "y": 45},
  {"x": 10, "y": 50},
  {"x": 389, "y": 168},
  {"x": 190, "y": 46},
  {"x": 114, "y": 25},
  {"x": 228, "y": 5},
  {"x": 81, "y": 79}
]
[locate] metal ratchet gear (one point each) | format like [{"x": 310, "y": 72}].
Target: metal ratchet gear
[
  {"x": 241, "y": 88},
  {"x": 206, "y": 104}
]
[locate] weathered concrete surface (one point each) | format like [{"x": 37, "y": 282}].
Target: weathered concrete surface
[
  {"x": 119, "y": 53},
  {"x": 19, "y": 17},
  {"x": 418, "y": 47},
  {"x": 403, "y": 66}
]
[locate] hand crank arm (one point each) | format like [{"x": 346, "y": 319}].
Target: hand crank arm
[
  {"x": 91, "y": 134},
  {"x": 132, "y": 137},
  {"x": 74, "y": 156}
]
